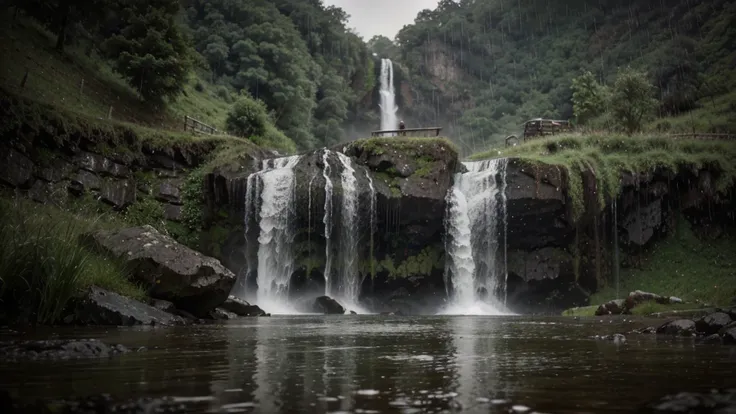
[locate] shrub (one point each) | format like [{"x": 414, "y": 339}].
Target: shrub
[{"x": 247, "y": 117}]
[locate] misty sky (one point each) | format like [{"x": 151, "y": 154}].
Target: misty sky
[{"x": 386, "y": 17}]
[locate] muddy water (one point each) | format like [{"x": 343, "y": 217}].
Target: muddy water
[{"x": 384, "y": 364}]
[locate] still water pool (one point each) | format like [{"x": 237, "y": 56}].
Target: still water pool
[{"x": 384, "y": 364}]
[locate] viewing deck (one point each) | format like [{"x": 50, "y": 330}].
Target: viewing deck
[{"x": 408, "y": 132}]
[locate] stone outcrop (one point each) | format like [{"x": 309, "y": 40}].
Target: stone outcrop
[
  {"x": 680, "y": 327},
  {"x": 328, "y": 306},
  {"x": 240, "y": 307},
  {"x": 169, "y": 270},
  {"x": 713, "y": 323},
  {"x": 101, "y": 307}
]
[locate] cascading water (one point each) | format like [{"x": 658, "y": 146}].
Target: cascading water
[
  {"x": 372, "y": 228},
  {"x": 388, "y": 97},
  {"x": 348, "y": 277},
  {"x": 327, "y": 220},
  {"x": 272, "y": 200},
  {"x": 475, "y": 203}
]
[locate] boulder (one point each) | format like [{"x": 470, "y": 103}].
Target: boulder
[
  {"x": 163, "y": 305},
  {"x": 680, "y": 327},
  {"x": 100, "y": 165},
  {"x": 59, "y": 349},
  {"x": 193, "y": 282},
  {"x": 87, "y": 180},
  {"x": 728, "y": 333},
  {"x": 637, "y": 297},
  {"x": 712, "y": 339},
  {"x": 168, "y": 191},
  {"x": 717, "y": 401},
  {"x": 16, "y": 169},
  {"x": 241, "y": 307},
  {"x": 614, "y": 307},
  {"x": 172, "y": 212},
  {"x": 711, "y": 324},
  {"x": 222, "y": 315},
  {"x": 327, "y": 305},
  {"x": 100, "y": 307}
]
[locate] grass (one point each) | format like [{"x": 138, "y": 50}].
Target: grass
[
  {"x": 714, "y": 116},
  {"x": 581, "y": 311},
  {"x": 684, "y": 266},
  {"x": 43, "y": 265},
  {"x": 413, "y": 146},
  {"x": 608, "y": 156}
]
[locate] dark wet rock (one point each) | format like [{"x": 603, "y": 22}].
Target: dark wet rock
[
  {"x": 716, "y": 402},
  {"x": 614, "y": 307},
  {"x": 101, "y": 307},
  {"x": 712, "y": 323},
  {"x": 172, "y": 212},
  {"x": 352, "y": 312},
  {"x": 163, "y": 305},
  {"x": 327, "y": 305},
  {"x": 100, "y": 165},
  {"x": 235, "y": 305},
  {"x": 87, "y": 180},
  {"x": 168, "y": 191},
  {"x": 16, "y": 169},
  {"x": 648, "y": 330},
  {"x": 729, "y": 335},
  {"x": 171, "y": 271},
  {"x": 119, "y": 194},
  {"x": 59, "y": 349},
  {"x": 222, "y": 314},
  {"x": 680, "y": 327},
  {"x": 545, "y": 263},
  {"x": 638, "y": 297},
  {"x": 54, "y": 170},
  {"x": 40, "y": 191},
  {"x": 712, "y": 339},
  {"x": 641, "y": 223}
]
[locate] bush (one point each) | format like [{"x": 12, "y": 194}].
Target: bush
[
  {"x": 275, "y": 139},
  {"x": 247, "y": 117},
  {"x": 223, "y": 93},
  {"x": 43, "y": 265}
]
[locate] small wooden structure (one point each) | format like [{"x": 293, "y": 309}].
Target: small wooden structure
[
  {"x": 408, "y": 132},
  {"x": 542, "y": 127},
  {"x": 191, "y": 124}
]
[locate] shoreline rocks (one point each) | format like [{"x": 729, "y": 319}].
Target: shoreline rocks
[
  {"x": 59, "y": 349},
  {"x": 101, "y": 307},
  {"x": 328, "y": 306}
]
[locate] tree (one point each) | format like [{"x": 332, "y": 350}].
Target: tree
[
  {"x": 148, "y": 47},
  {"x": 588, "y": 97},
  {"x": 631, "y": 99},
  {"x": 61, "y": 16},
  {"x": 383, "y": 47},
  {"x": 248, "y": 117}
]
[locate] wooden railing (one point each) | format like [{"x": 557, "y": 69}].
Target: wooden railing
[
  {"x": 408, "y": 132},
  {"x": 191, "y": 124}
]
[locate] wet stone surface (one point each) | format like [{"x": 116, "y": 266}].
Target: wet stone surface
[{"x": 59, "y": 349}]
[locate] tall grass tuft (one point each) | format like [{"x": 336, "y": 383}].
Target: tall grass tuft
[{"x": 43, "y": 266}]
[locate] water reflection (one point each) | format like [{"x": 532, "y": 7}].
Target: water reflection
[{"x": 387, "y": 364}]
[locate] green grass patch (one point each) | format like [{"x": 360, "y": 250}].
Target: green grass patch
[
  {"x": 648, "y": 308},
  {"x": 608, "y": 156},
  {"x": 413, "y": 146},
  {"x": 43, "y": 265},
  {"x": 684, "y": 266},
  {"x": 581, "y": 311}
]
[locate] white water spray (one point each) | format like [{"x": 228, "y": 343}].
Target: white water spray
[
  {"x": 388, "y": 97},
  {"x": 349, "y": 279},
  {"x": 327, "y": 220},
  {"x": 272, "y": 200},
  {"x": 475, "y": 204}
]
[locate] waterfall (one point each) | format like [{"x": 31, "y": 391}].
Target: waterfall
[
  {"x": 349, "y": 280},
  {"x": 327, "y": 220},
  {"x": 372, "y": 228},
  {"x": 271, "y": 198},
  {"x": 476, "y": 205},
  {"x": 388, "y": 97}
]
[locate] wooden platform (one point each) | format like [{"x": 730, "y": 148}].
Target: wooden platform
[{"x": 408, "y": 132}]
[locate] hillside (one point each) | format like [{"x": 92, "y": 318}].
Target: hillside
[{"x": 483, "y": 68}]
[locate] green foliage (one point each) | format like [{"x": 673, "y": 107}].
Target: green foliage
[
  {"x": 192, "y": 197},
  {"x": 681, "y": 265},
  {"x": 247, "y": 117},
  {"x": 631, "y": 99},
  {"x": 146, "y": 211},
  {"x": 588, "y": 97},
  {"x": 608, "y": 156},
  {"x": 42, "y": 264},
  {"x": 148, "y": 47}
]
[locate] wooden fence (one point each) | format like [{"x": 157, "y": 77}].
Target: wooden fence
[
  {"x": 191, "y": 124},
  {"x": 408, "y": 132}
]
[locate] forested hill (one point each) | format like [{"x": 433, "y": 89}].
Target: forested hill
[{"x": 484, "y": 67}]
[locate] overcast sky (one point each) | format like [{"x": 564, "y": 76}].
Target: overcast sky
[{"x": 385, "y": 17}]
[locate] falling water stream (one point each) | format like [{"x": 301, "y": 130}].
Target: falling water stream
[
  {"x": 348, "y": 278},
  {"x": 388, "y": 106},
  {"x": 476, "y": 227}
]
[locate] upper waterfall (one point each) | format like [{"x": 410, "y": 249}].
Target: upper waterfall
[
  {"x": 389, "y": 120},
  {"x": 476, "y": 254}
]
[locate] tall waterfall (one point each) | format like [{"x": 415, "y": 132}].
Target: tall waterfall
[
  {"x": 272, "y": 200},
  {"x": 349, "y": 279},
  {"x": 327, "y": 220},
  {"x": 388, "y": 97},
  {"x": 475, "y": 227}
]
